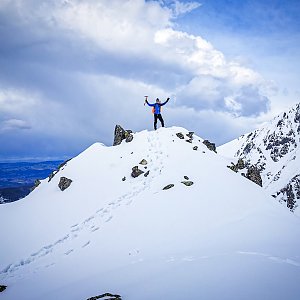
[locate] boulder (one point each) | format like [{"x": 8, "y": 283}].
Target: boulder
[
  {"x": 189, "y": 140},
  {"x": 136, "y": 172},
  {"x": 210, "y": 146},
  {"x": 187, "y": 183},
  {"x": 186, "y": 177},
  {"x": 2, "y": 288},
  {"x": 64, "y": 183},
  {"x": 143, "y": 162},
  {"x": 129, "y": 138},
  {"x": 147, "y": 173},
  {"x": 168, "y": 186},
  {"x": 195, "y": 148},
  {"x": 119, "y": 135},
  {"x": 124, "y": 178},
  {"x": 180, "y": 135}
]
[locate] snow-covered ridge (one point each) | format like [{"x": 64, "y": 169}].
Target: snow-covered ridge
[
  {"x": 274, "y": 149},
  {"x": 130, "y": 237}
]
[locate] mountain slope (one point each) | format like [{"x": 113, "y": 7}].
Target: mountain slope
[
  {"x": 220, "y": 238},
  {"x": 274, "y": 149}
]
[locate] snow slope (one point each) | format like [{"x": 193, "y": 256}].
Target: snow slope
[
  {"x": 221, "y": 238},
  {"x": 274, "y": 148}
]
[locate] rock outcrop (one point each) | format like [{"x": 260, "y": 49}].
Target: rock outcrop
[
  {"x": 122, "y": 134},
  {"x": 64, "y": 183},
  {"x": 210, "y": 146},
  {"x": 180, "y": 135},
  {"x": 60, "y": 167},
  {"x": 36, "y": 184},
  {"x": 238, "y": 166},
  {"x": 168, "y": 186},
  {"x": 136, "y": 172},
  {"x": 253, "y": 174}
]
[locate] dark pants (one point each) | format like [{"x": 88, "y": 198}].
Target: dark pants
[{"x": 159, "y": 117}]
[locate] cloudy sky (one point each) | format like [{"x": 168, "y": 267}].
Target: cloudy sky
[{"x": 70, "y": 70}]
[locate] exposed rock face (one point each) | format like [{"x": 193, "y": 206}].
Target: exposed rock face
[
  {"x": 2, "y": 288},
  {"x": 210, "y": 146},
  {"x": 274, "y": 149},
  {"x": 180, "y": 135},
  {"x": 136, "y": 172},
  {"x": 36, "y": 184},
  {"x": 187, "y": 183},
  {"x": 238, "y": 166},
  {"x": 122, "y": 134},
  {"x": 254, "y": 175},
  {"x": 168, "y": 186},
  {"x": 64, "y": 183},
  {"x": 106, "y": 296},
  {"x": 290, "y": 193},
  {"x": 119, "y": 135},
  {"x": 61, "y": 166}
]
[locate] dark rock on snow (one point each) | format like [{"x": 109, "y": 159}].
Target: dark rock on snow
[
  {"x": 36, "y": 184},
  {"x": 238, "y": 166},
  {"x": 143, "y": 162},
  {"x": 168, "y": 186},
  {"x": 253, "y": 174},
  {"x": 122, "y": 134},
  {"x": 58, "y": 169},
  {"x": 187, "y": 183},
  {"x": 195, "y": 148},
  {"x": 106, "y": 295},
  {"x": 129, "y": 138},
  {"x": 210, "y": 146},
  {"x": 190, "y": 134},
  {"x": 189, "y": 140},
  {"x": 147, "y": 173},
  {"x": 186, "y": 177},
  {"x": 180, "y": 135},
  {"x": 64, "y": 183},
  {"x": 124, "y": 178},
  {"x": 136, "y": 172},
  {"x": 2, "y": 288}
]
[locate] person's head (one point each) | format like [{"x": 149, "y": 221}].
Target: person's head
[{"x": 157, "y": 100}]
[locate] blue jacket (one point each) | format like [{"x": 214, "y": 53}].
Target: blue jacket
[{"x": 157, "y": 106}]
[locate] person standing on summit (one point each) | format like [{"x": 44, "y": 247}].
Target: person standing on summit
[{"x": 156, "y": 109}]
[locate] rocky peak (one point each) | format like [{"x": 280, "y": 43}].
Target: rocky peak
[{"x": 273, "y": 150}]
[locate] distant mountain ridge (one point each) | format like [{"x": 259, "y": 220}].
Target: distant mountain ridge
[
  {"x": 274, "y": 149},
  {"x": 17, "y": 178}
]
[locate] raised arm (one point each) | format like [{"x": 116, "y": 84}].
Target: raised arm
[
  {"x": 165, "y": 102},
  {"x": 149, "y": 103}
]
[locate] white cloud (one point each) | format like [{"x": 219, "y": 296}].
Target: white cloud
[
  {"x": 13, "y": 124},
  {"x": 180, "y": 8},
  {"x": 93, "y": 61},
  {"x": 15, "y": 101}
]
